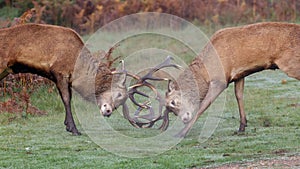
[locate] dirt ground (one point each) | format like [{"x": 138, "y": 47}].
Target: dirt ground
[{"x": 291, "y": 162}]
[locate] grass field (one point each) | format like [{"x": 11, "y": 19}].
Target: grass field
[{"x": 273, "y": 131}]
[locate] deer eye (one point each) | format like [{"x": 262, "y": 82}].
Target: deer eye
[
  {"x": 119, "y": 95},
  {"x": 173, "y": 103}
]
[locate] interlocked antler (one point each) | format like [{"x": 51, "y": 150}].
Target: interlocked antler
[
  {"x": 147, "y": 105},
  {"x": 125, "y": 107}
]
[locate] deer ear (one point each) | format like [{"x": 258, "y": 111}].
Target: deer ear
[
  {"x": 119, "y": 79},
  {"x": 122, "y": 78},
  {"x": 172, "y": 86}
]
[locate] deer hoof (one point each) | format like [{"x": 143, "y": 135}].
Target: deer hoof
[
  {"x": 242, "y": 128},
  {"x": 72, "y": 129}
]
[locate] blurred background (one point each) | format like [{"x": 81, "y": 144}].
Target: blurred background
[{"x": 86, "y": 16}]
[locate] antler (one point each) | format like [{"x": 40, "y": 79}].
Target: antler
[
  {"x": 125, "y": 107},
  {"x": 147, "y": 105},
  {"x": 149, "y": 76},
  {"x": 142, "y": 81}
]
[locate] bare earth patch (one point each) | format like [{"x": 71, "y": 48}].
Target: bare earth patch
[{"x": 280, "y": 163}]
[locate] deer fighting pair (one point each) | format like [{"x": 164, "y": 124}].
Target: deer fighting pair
[{"x": 51, "y": 51}]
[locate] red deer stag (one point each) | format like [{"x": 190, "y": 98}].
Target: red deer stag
[
  {"x": 242, "y": 51},
  {"x": 51, "y": 51}
]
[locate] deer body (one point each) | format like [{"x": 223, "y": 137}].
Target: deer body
[
  {"x": 243, "y": 51},
  {"x": 52, "y": 51}
]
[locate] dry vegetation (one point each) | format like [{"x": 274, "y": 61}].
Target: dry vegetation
[
  {"x": 86, "y": 16},
  {"x": 16, "y": 91}
]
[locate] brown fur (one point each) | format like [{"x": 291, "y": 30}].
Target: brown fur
[
  {"x": 52, "y": 52},
  {"x": 243, "y": 51},
  {"x": 246, "y": 50}
]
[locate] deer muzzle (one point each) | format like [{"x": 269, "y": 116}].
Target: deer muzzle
[
  {"x": 186, "y": 117},
  {"x": 106, "y": 109}
]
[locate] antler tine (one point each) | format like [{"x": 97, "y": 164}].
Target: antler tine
[
  {"x": 122, "y": 71},
  {"x": 149, "y": 76},
  {"x": 151, "y": 114},
  {"x": 158, "y": 117},
  {"x": 123, "y": 64},
  {"x": 133, "y": 90},
  {"x": 134, "y": 121},
  {"x": 166, "y": 63},
  {"x": 165, "y": 123},
  {"x": 142, "y": 124},
  {"x": 133, "y": 75}
]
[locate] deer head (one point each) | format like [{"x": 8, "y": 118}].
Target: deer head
[
  {"x": 110, "y": 96},
  {"x": 115, "y": 95},
  {"x": 175, "y": 103},
  {"x": 184, "y": 95}
]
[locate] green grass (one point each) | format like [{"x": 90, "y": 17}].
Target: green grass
[{"x": 273, "y": 130}]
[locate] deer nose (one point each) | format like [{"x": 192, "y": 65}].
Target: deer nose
[
  {"x": 186, "y": 117},
  {"x": 107, "y": 113}
]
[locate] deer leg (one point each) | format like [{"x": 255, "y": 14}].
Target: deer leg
[
  {"x": 239, "y": 92},
  {"x": 65, "y": 93},
  {"x": 215, "y": 88}
]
